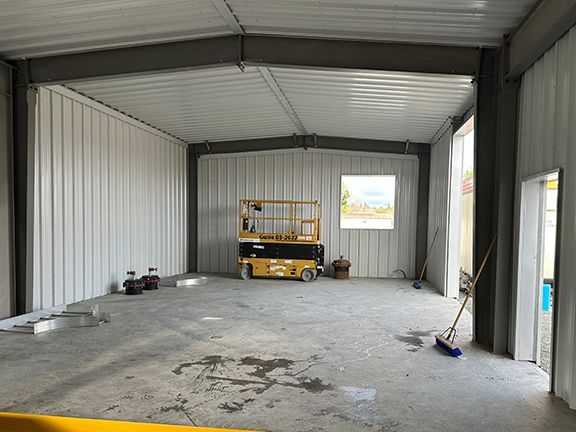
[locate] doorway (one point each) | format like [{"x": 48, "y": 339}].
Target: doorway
[
  {"x": 461, "y": 213},
  {"x": 537, "y": 287}
]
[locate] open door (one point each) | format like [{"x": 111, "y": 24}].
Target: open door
[{"x": 536, "y": 281}]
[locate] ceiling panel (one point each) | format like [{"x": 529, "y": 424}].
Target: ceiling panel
[
  {"x": 464, "y": 22},
  {"x": 215, "y": 105},
  {"x": 39, "y": 27},
  {"x": 383, "y": 105},
  {"x": 227, "y": 104}
]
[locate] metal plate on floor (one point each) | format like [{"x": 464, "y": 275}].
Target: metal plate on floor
[{"x": 195, "y": 281}]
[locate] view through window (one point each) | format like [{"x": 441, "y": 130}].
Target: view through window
[{"x": 367, "y": 202}]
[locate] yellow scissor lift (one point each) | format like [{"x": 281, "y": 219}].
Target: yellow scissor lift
[{"x": 280, "y": 239}]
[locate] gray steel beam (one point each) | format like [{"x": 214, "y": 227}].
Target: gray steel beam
[
  {"x": 543, "y": 26},
  {"x": 24, "y": 108},
  {"x": 257, "y": 50},
  {"x": 7, "y": 298},
  {"x": 192, "y": 209},
  {"x": 312, "y": 141},
  {"x": 345, "y": 54},
  {"x": 136, "y": 60}
]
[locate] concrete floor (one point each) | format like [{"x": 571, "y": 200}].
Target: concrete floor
[{"x": 354, "y": 355}]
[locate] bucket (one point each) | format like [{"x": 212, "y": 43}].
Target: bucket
[{"x": 341, "y": 268}]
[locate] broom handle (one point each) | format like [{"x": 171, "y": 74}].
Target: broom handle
[
  {"x": 469, "y": 294},
  {"x": 428, "y": 256}
]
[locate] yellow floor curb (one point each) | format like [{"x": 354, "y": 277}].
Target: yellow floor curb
[{"x": 11, "y": 422}]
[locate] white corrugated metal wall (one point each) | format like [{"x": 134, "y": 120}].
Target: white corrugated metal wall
[
  {"x": 547, "y": 140},
  {"x": 109, "y": 196},
  {"x": 306, "y": 175},
  {"x": 438, "y": 209}
]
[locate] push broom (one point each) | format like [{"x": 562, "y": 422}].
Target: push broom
[
  {"x": 445, "y": 340},
  {"x": 417, "y": 283}
]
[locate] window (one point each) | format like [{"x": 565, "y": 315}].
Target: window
[{"x": 367, "y": 202}]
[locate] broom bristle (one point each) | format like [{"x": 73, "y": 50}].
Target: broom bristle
[
  {"x": 448, "y": 346},
  {"x": 416, "y": 284}
]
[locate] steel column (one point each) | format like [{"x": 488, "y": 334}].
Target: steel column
[
  {"x": 24, "y": 107},
  {"x": 484, "y": 171},
  {"x": 6, "y": 196},
  {"x": 423, "y": 201},
  {"x": 495, "y": 173},
  {"x": 505, "y": 178},
  {"x": 192, "y": 209}
]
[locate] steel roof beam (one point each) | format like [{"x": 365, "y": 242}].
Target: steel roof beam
[
  {"x": 257, "y": 50},
  {"x": 275, "y": 87},
  {"x": 543, "y": 26},
  {"x": 314, "y": 141},
  {"x": 227, "y": 15}
]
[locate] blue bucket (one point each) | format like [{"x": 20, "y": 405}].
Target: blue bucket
[{"x": 546, "y": 290}]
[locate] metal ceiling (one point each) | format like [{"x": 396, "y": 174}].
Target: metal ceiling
[
  {"x": 215, "y": 105},
  {"x": 39, "y": 27},
  {"x": 463, "y": 22},
  {"x": 228, "y": 104},
  {"x": 375, "y": 105}
]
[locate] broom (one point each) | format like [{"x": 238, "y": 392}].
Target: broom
[
  {"x": 445, "y": 340},
  {"x": 416, "y": 284}
]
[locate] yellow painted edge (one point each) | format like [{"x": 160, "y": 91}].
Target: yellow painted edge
[{"x": 12, "y": 422}]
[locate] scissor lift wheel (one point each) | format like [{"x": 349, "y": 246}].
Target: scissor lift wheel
[
  {"x": 308, "y": 275},
  {"x": 245, "y": 272}
]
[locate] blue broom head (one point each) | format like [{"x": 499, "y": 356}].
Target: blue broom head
[
  {"x": 450, "y": 347},
  {"x": 416, "y": 284}
]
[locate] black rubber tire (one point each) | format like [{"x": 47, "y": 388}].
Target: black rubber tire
[
  {"x": 308, "y": 275},
  {"x": 245, "y": 273}
]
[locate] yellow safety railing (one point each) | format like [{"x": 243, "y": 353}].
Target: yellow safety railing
[{"x": 302, "y": 217}]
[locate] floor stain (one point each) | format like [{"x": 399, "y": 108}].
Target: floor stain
[
  {"x": 210, "y": 363},
  {"x": 415, "y": 341},
  {"x": 110, "y": 408},
  {"x": 421, "y": 333},
  {"x": 129, "y": 377},
  {"x": 264, "y": 367},
  {"x": 232, "y": 407}
]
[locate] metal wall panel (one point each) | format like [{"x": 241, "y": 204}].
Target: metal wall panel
[
  {"x": 438, "y": 209},
  {"x": 466, "y": 22},
  {"x": 109, "y": 196},
  {"x": 306, "y": 175},
  {"x": 32, "y": 27},
  {"x": 547, "y": 140}
]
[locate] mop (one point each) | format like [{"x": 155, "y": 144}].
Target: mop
[
  {"x": 445, "y": 340},
  {"x": 416, "y": 284}
]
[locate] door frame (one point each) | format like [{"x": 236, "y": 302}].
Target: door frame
[{"x": 518, "y": 351}]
